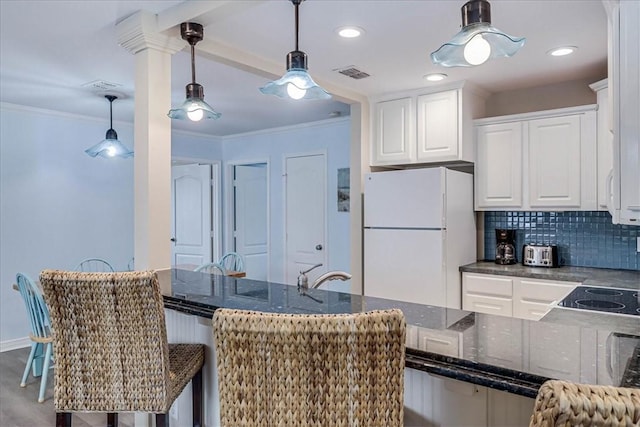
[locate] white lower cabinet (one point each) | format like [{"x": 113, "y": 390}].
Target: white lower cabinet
[
  {"x": 487, "y": 294},
  {"x": 532, "y": 297},
  {"x": 431, "y": 401},
  {"x": 518, "y": 297}
]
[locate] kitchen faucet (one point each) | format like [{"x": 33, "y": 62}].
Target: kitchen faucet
[{"x": 303, "y": 280}]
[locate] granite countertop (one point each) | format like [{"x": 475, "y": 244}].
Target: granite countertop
[
  {"x": 602, "y": 277},
  {"x": 504, "y": 353}
]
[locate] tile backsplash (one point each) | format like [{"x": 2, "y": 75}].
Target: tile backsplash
[{"x": 585, "y": 239}]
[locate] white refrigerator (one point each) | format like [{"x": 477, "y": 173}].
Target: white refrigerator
[{"x": 419, "y": 228}]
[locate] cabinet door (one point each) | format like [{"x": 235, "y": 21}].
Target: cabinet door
[
  {"x": 554, "y": 162},
  {"x": 532, "y": 297},
  {"x": 499, "y": 166},
  {"x": 394, "y": 133},
  {"x": 629, "y": 113},
  {"x": 438, "y": 127},
  {"x": 605, "y": 148}
]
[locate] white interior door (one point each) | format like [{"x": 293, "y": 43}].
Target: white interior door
[
  {"x": 306, "y": 206},
  {"x": 191, "y": 214},
  {"x": 251, "y": 218}
]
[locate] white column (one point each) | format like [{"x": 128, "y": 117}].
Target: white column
[
  {"x": 152, "y": 160},
  {"x": 152, "y": 143},
  {"x": 152, "y": 137}
]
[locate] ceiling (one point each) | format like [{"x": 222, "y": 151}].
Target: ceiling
[{"x": 50, "y": 49}]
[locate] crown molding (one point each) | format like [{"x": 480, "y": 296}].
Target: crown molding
[
  {"x": 282, "y": 129},
  {"x": 139, "y": 32}
]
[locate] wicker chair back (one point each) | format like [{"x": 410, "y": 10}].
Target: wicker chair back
[
  {"x": 111, "y": 348},
  {"x": 562, "y": 403},
  {"x": 302, "y": 370}
]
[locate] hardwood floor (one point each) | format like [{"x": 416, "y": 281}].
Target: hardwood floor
[{"x": 19, "y": 406}]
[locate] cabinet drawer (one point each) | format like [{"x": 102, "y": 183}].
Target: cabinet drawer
[
  {"x": 483, "y": 284},
  {"x": 500, "y": 306},
  {"x": 532, "y": 298},
  {"x": 541, "y": 291}
]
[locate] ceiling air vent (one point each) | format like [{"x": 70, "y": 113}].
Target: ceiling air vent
[
  {"x": 352, "y": 72},
  {"x": 101, "y": 85}
]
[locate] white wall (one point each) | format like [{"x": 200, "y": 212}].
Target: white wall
[
  {"x": 272, "y": 145},
  {"x": 58, "y": 205},
  {"x": 186, "y": 145}
]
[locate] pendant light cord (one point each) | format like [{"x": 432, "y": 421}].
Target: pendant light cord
[
  {"x": 296, "y": 3},
  {"x": 193, "y": 63},
  {"x": 111, "y": 98}
]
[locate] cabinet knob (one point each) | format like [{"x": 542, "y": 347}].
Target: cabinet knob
[{"x": 318, "y": 247}]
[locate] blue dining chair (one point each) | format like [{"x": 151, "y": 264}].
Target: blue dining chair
[
  {"x": 40, "y": 332},
  {"x": 211, "y": 268},
  {"x": 95, "y": 265},
  {"x": 232, "y": 261}
]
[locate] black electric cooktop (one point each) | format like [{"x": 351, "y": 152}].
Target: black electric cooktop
[{"x": 620, "y": 301}]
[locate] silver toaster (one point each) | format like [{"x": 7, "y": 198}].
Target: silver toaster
[{"x": 540, "y": 255}]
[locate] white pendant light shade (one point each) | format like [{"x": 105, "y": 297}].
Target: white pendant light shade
[
  {"x": 296, "y": 83},
  {"x": 478, "y": 41},
  {"x": 110, "y": 146},
  {"x": 193, "y": 108}
]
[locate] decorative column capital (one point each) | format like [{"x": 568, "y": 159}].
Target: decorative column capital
[{"x": 139, "y": 32}]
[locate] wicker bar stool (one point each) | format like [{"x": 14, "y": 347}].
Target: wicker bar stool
[
  {"x": 561, "y": 403},
  {"x": 111, "y": 350},
  {"x": 310, "y": 370}
]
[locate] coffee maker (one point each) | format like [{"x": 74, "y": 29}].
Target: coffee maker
[{"x": 505, "y": 249}]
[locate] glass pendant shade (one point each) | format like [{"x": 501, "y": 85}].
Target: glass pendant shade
[
  {"x": 296, "y": 83},
  {"x": 193, "y": 108},
  {"x": 478, "y": 41},
  {"x": 110, "y": 146}
]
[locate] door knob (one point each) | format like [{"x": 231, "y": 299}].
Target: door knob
[
  {"x": 173, "y": 239},
  {"x": 318, "y": 247}
]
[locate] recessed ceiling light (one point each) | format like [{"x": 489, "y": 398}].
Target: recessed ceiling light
[
  {"x": 435, "y": 77},
  {"x": 562, "y": 50},
  {"x": 349, "y": 32}
]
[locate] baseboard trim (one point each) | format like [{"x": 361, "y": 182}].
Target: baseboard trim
[{"x": 15, "y": 344}]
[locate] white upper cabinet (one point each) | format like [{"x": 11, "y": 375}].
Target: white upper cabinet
[
  {"x": 554, "y": 162},
  {"x": 537, "y": 161},
  {"x": 438, "y": 127},
  {"x": 499, "y": 166},
  {"x": 624, "y": 79},
  {"x": 425, "y": 126},
  {"x": 394, "y": 135}
]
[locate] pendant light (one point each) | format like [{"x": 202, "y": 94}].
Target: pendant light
[
  {"x": 477, "y": 41},
  {"x": 296, "y": 83},
  {"x": 110, "y": 146},
  {"x": 194, "y": 108}
]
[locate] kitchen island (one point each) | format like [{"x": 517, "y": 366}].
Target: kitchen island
[{"x": 496, "y": 352}]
